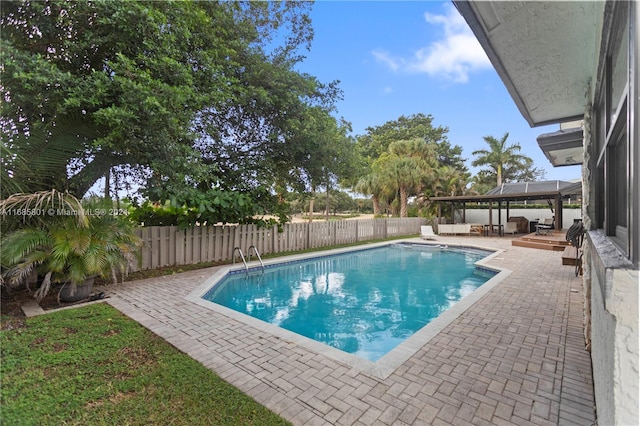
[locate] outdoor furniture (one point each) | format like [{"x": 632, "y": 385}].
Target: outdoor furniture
[
  {"x": 511, "y": 228},
  {"x": 545, "y": 227},
  {"x": 454, "y": 228},
  {"x": 426, "y": 233},
  {"x": 476, "y": 228},
  {"x": 493, "y": 229},
  {"x": 522, "y": 224}
]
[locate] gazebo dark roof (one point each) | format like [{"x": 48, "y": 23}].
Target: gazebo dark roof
[
  {"x": 529, "y": 187},
  {"x": 521, "y": 191},
  {"x": 546, "y": 190}
]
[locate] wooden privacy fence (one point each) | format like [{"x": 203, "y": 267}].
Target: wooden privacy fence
[{"x": 170, "y": 246}]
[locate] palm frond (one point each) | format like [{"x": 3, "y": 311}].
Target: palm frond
[
  {"x": 43, "y": 206},
  {"x": 17, "y": 245}
]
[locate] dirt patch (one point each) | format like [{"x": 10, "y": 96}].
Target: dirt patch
[
  {"x": 12, "y": 315},
  {"x": 12, "y": 301}
]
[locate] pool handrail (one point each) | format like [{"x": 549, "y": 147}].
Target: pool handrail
[
  {"x": 239, "y": 250},
  {"x": 257, "y": 255}
]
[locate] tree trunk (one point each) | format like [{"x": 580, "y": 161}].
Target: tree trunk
[
  {"x": 326, "y": 207},
  {"x": 403, "y": 202},
  {"x": 107, "y": 185},
  {"x": 311, "y": 207},
  {"x": 81, "y": 182},
  {"x": 376, "y": 205}
]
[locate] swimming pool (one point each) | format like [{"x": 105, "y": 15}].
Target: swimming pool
[
  {"x": 348, "y": 341},
  {"x": 363, "y": 302}
]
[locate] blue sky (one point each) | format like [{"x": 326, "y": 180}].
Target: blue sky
[{"x": 398, "y": 58}]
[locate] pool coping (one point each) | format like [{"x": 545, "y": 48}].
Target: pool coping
[{"x": 386, "y": 365}]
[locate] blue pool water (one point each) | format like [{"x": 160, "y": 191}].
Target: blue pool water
[{"x": 363, "y": 302}]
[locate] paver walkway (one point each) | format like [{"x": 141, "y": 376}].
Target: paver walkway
[{"x": 515, "y": 357}]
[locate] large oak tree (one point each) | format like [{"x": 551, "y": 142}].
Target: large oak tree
[{"x": 160, "y": 94}]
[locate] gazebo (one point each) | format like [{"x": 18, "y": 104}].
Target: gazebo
[{"x": 554, "y": 192}]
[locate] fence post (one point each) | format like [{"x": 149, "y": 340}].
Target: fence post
[
  {"x": 386, "y": 225},
  {"x": 335, "y": 232},
  {"x": 236, "y": 239},
  {"x": 274, "y": 231},
  {"x": 357, "y": 230}
]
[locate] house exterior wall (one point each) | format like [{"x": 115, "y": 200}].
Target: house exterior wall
[
  {"x": 611, "y": 279},
  {"x": 614, "y": 332}
]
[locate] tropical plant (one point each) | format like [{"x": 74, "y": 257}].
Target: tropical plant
[
  {"x": 412, "y": 137},
  {"x": 66, "y": 244},
  {"x": 499, "y": 156},
  {"x": 193, "y": 206},
  {"x": 39, "y": 209},
  {"x": 370, "y": 184},
  {"x": 406, "y": 168}
]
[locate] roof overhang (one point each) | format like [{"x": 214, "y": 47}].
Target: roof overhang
[
  {"x": 562, "y": 148},
  {"x": 545, "y": 52}
]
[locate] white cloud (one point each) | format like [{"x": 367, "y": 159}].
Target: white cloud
[
  {"x": 387, "y": 90},
  {"x": 384, "y": 57},
  {"x": 453, "y": 56}
]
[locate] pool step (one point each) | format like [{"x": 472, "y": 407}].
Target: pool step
[
  {"x": 552, "y": 245},
  {"x": 555, "y": 241}
]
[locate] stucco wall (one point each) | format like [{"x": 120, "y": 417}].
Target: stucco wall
[
  {"x": 603, "y": 342},
  {"x": 623, "y": 304},
  {"x": 614, "y": 335}
]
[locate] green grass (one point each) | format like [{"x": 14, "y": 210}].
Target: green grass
[{"x": 94, "y": 366}]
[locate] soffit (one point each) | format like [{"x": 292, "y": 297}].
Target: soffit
[
  {"x": 545, "y": 52},
  {"x": 562, "y": 148}
]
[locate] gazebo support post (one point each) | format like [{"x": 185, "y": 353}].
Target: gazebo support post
[
  {"x": 558, "y": 212},
  {"x": 464, "y": 212},
  {"x": 490, "y": 214}
]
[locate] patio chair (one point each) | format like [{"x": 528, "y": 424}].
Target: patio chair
[
  {"x": 426, "y": 233},
  {"x": 545, "y": 227},
  {"x": 511, "y": 228}
]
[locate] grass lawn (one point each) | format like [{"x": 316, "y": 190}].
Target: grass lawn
[{"x": 93, "y": 366}]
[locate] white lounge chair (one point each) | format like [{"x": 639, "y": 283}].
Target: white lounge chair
[{"x": 426, "y": 233}]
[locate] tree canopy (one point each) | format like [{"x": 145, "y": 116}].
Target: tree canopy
[
  {"x": 377, "y": 139},
  {"x": 409, "y": 157},
  {"x": 159, "y": 94},
  {"x": 503, "y": 163}
]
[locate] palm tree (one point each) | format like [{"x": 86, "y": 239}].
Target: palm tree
[
  {"x": 370, "y": 184},
  {"x": 403, "y": 175},
  {"x": 498, "y": 156},
  {"x": 406, "y": 168},
  {"x": 449, "y": 182}
]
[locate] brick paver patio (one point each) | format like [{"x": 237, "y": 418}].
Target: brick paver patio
[{"x": 515, "y": 357}]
